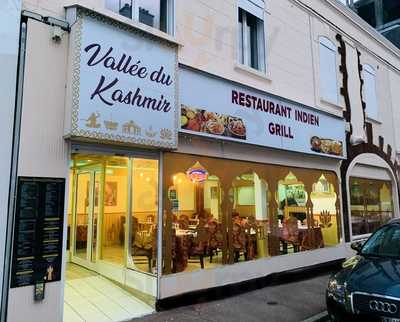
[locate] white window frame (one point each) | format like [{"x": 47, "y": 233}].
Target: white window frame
[
  {"x": 326, "y": 43},
  {"x": 375, "y": 105},
  {"x": 257, "y": 9}
]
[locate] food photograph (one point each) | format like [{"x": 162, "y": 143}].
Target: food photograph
[
  {"x": 326, "y": 146},
  {"x": 198, "y": 120}
]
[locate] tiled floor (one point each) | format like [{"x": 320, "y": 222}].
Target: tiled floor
[{"x": 90, "y": 297}]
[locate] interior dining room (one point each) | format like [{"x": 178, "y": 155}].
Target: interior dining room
[
  {"x": 220, "y": 211},
  {"x": 112, "y": 227}
]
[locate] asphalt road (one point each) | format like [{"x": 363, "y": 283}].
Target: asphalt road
[{"x": 290, "y": 302}]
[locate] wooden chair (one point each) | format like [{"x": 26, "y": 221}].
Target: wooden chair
[
  {"x": 238, "y": 242},
  {"x": 290, "y": 233},
  {"x": 142, "y": 242},
  {"x": 216, "y": 238},
  {"x": 199, "y": 245},
  {"x": 251, "y": 229},
  {"x": 312, "y": 240},
  {"x": 183, "y": 222}
]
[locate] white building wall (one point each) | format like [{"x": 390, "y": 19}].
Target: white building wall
[
  {"x": 394, "y": 81},
  {"x": 208, "y": 32},
  {"x": 9, "y": 35},
  {"x": 43, "y": 151}
]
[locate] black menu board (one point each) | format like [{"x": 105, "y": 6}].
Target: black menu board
[{"x": 38, "y": 235}]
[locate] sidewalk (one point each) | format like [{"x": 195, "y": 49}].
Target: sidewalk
[{"x": 290, "y": 302}]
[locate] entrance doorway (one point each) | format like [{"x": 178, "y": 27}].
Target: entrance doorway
[
  {"x": 112, "y": 221},
  {"x": 86, "y": 214}
]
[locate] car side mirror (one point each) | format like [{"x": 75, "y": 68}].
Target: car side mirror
[{"x": 357, "y": 246}]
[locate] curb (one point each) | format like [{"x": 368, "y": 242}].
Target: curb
[{"x": 321, "y": 317}]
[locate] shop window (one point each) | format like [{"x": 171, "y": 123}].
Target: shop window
[
  {"x": 197, "y": 239},
  {"x": 158, "y": 14},
  {"x": 218, "y": 212},
  {"x": 249, "y": 217},
  {"x": 325, "y": 212},
  {"x": 115, "y": 209},
  {"x": 104, "y": 191},
  {"x": 370, "y": 97},
  {"x": 292, "y": 214},
  {"x": 328, "y": 70},
  {"x": 143, "y": 245},
  {"x": 371, "y": 204},
  {"x": 251, "y": 37}
]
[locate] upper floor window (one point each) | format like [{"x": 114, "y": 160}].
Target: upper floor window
[
  {"x": 328, "y": 70},
  {"x": 251, "y": 35},
  {"x": 369, "y": 95},
  {"x": 158, "y": 14}
]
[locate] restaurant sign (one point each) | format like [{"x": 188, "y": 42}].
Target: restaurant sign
[
  {"x": 221, "y": 109},
  {"x": 123, "y": 84}
]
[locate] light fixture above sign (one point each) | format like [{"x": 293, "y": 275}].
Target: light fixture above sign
[{"x": 197, "y": 173}]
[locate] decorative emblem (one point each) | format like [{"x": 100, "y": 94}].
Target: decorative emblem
[
  {"x": 91, "y": 121},
  {"x": 166, "y": 134},
  {"x": 325, "y": 219},
  {"x": 197, "y": 173},
  {"x": 150, "y": 132},
  {"x": 384, "y": 307},
  {"x": 131, "y": 128},
  {"x": 110, "y": 125}
]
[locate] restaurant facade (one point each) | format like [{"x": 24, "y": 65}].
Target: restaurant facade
[{"x": 165, "y": 154}]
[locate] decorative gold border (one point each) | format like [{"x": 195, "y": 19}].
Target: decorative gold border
[{"x": 75, "y": 130}]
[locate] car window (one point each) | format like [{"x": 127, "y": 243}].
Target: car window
[{"x": 384, "y": 243}]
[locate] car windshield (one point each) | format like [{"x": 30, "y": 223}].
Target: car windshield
[{"x": 384, "y": 243}]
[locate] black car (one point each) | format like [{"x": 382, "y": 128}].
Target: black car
[{"x": 368, "y": 286}]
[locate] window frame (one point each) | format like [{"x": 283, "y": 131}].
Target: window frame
[
  {"x": 170, "y": 16},
  {"x": 367, "y": 68},
  {"x": 244, "y": 56},
  {"x": 326, "y": 43}
]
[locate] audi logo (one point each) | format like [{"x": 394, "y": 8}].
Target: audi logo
[{"x": 384, "y": 307}]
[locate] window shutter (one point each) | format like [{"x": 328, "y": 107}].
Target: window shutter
[
  {"x": 328, "y": 74},
  {"x": 254, "y": 7},
  {"x": 370, "y": 96}
]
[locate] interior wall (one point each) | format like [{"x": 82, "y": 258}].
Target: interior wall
[{"x": 43, "y": 151}]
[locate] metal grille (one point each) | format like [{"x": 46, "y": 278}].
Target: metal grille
[{"x": 381, "y": 306}]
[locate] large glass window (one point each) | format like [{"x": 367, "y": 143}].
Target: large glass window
[
  {"x": 219, "y": 212},
  {"x": 114, "y": 207},
  {"x": 158, "y": 14},
  {"x": 371, "y": 204},
  {"x": 144, "y": 214}
]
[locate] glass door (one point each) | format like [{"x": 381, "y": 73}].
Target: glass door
[
  {"x": 86, "y": 215},
  {"x": 114, "y": 206},
  {"x": 114, "y": 222}
]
